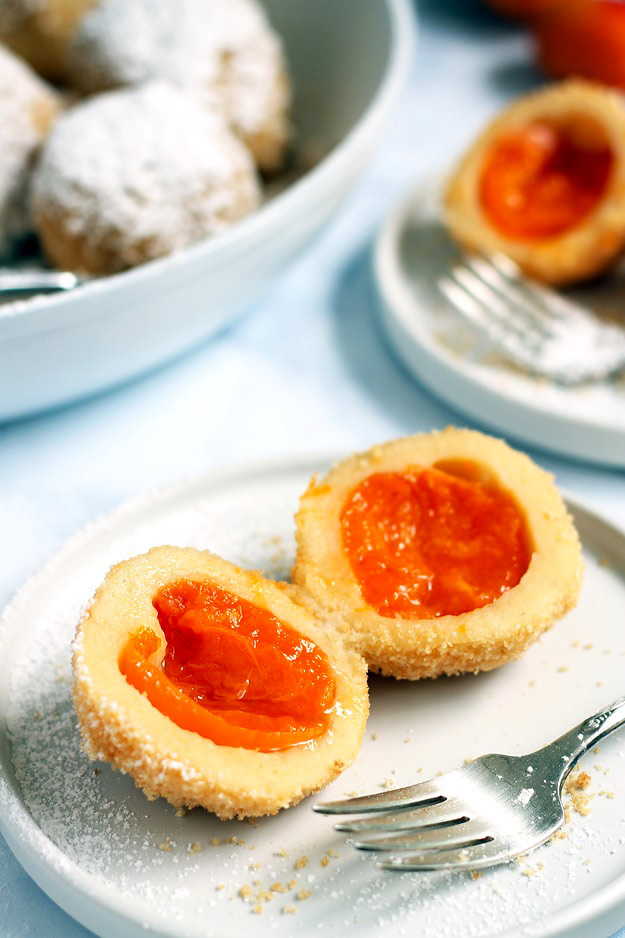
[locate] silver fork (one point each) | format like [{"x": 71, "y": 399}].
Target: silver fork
[
  {"x": 26, "y": 282},
  {"x": 487, "y": 812},
  {"x": 539, "y": 329}
]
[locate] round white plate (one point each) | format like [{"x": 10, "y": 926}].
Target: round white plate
[
  {"x": 124, "y": 866},
  {"x": 413, "y": 251}
]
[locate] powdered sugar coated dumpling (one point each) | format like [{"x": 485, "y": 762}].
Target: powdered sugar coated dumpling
[
  {"x": 39, "y": 30},
  {"x": 224, "y": 52},
  {"x": 135, "y": 174},
  {"x": 27, "y": 109}
]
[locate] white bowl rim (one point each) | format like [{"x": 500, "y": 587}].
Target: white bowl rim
[{"x": 402, "y": 24}]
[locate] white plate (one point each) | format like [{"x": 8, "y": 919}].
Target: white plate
[
  {"x": 92, "y": 841},
  {"x": 348, "y": 61},
  {"x": 413, "y": 251}
]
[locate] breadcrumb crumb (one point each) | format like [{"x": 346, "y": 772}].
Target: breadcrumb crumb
[{"x": 575, "y": 786}]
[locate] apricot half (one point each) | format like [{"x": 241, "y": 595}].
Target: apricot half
[{"x": 583, "y": 38}]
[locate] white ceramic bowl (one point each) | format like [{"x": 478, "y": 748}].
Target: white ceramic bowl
[{"x": 348, "y": 60}]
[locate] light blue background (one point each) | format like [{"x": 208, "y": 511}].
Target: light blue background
[{"x": 305, "y": 371}]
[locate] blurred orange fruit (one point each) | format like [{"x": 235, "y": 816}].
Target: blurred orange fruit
[
  {"x": 584, "y": 38},
  {"x": 522, "y": 9}
]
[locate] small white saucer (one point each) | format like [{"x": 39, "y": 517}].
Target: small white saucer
[{"x": 412, "y": 252}]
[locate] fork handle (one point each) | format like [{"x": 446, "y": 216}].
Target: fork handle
[
  {"x": 560, "y": 756},
  {"x": 21, "y": 282}
]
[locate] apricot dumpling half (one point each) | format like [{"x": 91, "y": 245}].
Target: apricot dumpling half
[
  {"x": 213, "y": 686},
  {"x": 544, "y": 184},
  {"x": 438, "y": 553}
]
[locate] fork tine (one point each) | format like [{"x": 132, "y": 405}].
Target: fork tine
[
  {"x": 471, "y": 309},
  {"x": 477, "y": 314},
  {"x": 542, "y": 331},
  {"x": 443, "y": 812},
  {"x": 518, "y": 301},
  {"x": 425, "y": 793},
  {"x": 465, "y": 858},
  {"x": 506, "y": 267},
  {"x": 551, "y": 303},
  {"x": 464, "y": 834},
  {"x": 474, "y": 310},
  {"x": 500, "y": 308}
]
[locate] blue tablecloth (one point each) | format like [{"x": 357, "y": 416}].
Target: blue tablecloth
[{"x": 305, "y": 371}]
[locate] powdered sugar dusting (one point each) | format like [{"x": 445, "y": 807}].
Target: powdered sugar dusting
[
  {"x": 24, "y": 102},
  {"x": 223, "y": 51},
  {"x": 141, "y": 172},
  {"x": 525, "y": 796},
  {"x": 292, "y": 873}
]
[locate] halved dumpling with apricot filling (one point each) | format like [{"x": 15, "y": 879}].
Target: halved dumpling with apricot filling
[
  {"x": 545, "y": 184},
  {"x": 211, "y": 686},
  {"x": 438, "y": 553}
]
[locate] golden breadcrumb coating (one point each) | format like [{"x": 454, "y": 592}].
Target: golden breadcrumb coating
[
  {"x": 474, "y": 641},
  {"x": 121, "y": 726}
]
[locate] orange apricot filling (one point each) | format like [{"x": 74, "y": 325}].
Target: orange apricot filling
[
  {"x": 542, "y": 180},
  {"x": 232, "y": 672},
  {"x": 424, "y": 542}
]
